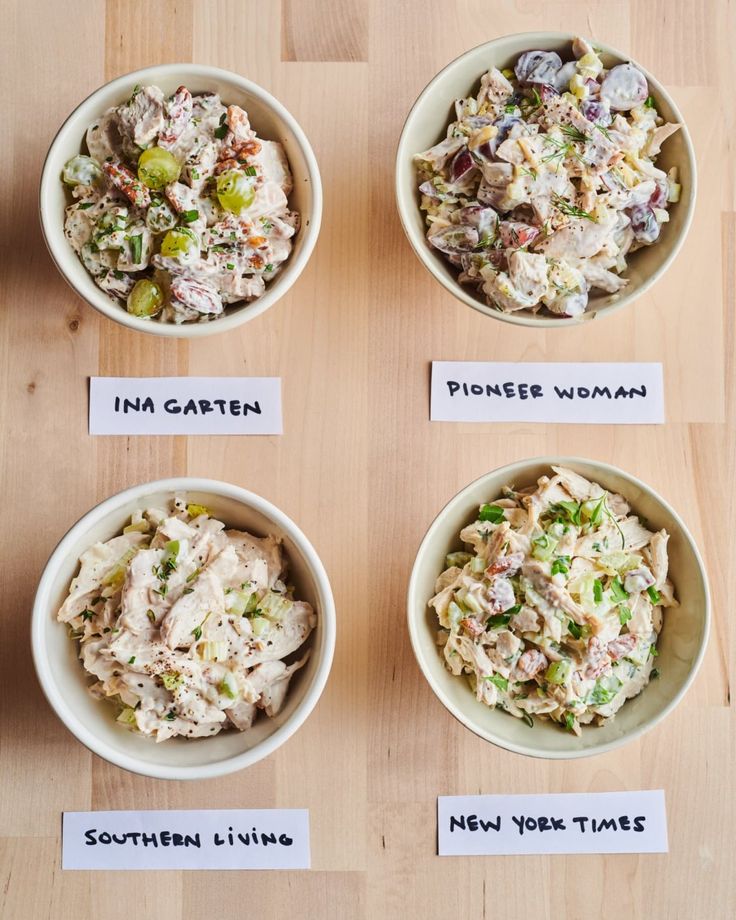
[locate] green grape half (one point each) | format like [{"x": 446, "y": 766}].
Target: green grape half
[
  {"x": 157, "y": 168},
  {"x": 235, "y": 190},
  {"x": 146, "y": 298},
  {"x": 181, "y": 243},
  {"x": 81, "y": 170}
]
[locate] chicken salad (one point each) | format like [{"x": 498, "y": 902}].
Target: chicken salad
[
  {"x": 179, "y": 210},
  {"x": 546, "y": 182},
  {"x": 187, "y": 627},
  {"x": 554, "y": 608}
]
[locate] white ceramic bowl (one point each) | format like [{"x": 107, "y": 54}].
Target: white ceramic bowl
[
  {"x": 681, "y": 644},
  {"x": 65, "y": 683},
  {"x": 427, "y": 124},
  {"x": 270, "y": 120}
]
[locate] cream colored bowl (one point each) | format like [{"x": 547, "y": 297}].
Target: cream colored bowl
[
  {"x": 92, "y": 721},
  {"x": 427, "y": 124},
  {"x": 270, "y": 120},
  {"x": 681, "y": 644}
]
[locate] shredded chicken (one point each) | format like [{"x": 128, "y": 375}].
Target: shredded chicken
[
  {"x": 179, "y": 210},
  {"x": 546, "y": 181},
  {"x": 567, "y": 627},
  {"x": 187, "y": 627}
]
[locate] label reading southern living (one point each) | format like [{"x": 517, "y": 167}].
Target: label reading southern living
[
  {"x": 605, "y": 394},
  {"x": 254, "y": 838},
  {"x": 185, "y": 405},
  {"x": 586, "y": 822}
]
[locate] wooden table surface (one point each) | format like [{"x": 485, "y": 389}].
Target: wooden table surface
[{"x": 360, "y": 468}]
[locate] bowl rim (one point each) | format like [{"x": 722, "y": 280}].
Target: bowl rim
[
  {"x": 424, "y": 254},
  {"x": 530, "y": 750},
  {"x": 40, "y": 622},
  {"x": 54, "y": 235}
]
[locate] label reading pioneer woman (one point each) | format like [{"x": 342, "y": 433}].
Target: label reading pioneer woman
[{"x": 584, "y": 393}]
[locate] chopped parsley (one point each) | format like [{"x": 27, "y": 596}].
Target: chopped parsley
[
  {"x": 88, "y": 614},
  {"x": 131, "y": 660},
  {"x": 269, "y": 267},
  {"x": 170, "y": 716},
  {"x": 649, "y": 102},
  {"x": 618, "y": 593},
  {"x": 87, "y": 204},
  {"x": 222, "y": 130}
]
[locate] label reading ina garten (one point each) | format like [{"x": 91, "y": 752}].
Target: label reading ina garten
[
  {"x": 590, "y": 822},
  {"x": 185, "y": 405},
  {"x": 254, "y": 838},
  {"x": 606, "y": 394}
]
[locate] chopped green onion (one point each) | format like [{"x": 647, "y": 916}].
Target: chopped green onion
[
  {"x": 501, "y": 682},
  {"x": 561, "y": 565},
  {"x": 574, "y": 630},
  {"x": 624, "y": 615},
  {"x": 250, "y": 171},
  {"x": 190, "y": 216},
  {"x": 654, "y": 673},
  {"x": 170, "y": 716},
  {"x": 654, "y": 595},
  {"x": 131, "y": 660},
  {"x": 527, "y": 719},
  {"x": 230, "y": 266},
  {"x": 597, "y": 591},
  {"x": 649, "y": 102},
  {"x": 498, "y": 620},
  {"x": 268, "y": 268},
  {"x": 570, "y": 721},
  {"x": 151, "y": 615},
  {"x": 87, "y": 614},
  {"x": 136, "y": 248},
  {"x": 618, "y": 593}
]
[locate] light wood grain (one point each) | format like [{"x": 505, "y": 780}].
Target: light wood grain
[{"x": 361, "y": 468}]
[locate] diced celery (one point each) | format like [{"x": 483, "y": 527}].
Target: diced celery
[
  {"x": 260, "y": 626},
  {"x": 229, "y": 686},
  {"x": 212, "y": 651},
  {"x": 543, "y": 547},
  {"x": 455, "y": 613},
  {"x": 236, "y": 602},
  {"x": 559, "y": 672},
  {"x": 139, "y": 527},
  {"x": 172, "y": 680},
  {"x": 457, "y": 559},
  {"x": 194, "y": 510},
  {"x": 116, "y": 576},
  {"x": 127, "y": 716},
  {"x": 274, "y": 606},
  {"x": 478, "y": 565},
  {"x": 470, "y": 601}
]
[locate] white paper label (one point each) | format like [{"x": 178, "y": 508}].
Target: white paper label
[
  {"x": 255, "y": 838},
  {"x": 605, "y": 394},
  {"x": 590, "y": 822},
  {"x": 185, "y": 405}
]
